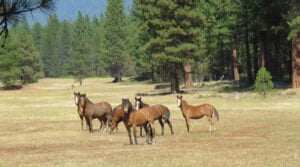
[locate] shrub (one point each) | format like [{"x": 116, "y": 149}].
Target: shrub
[{"x": 263, "y": 81}]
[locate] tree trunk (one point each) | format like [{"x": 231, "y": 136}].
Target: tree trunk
[
  {"x": 248, "y": 56},
  {"x": 255, "y": 54},
  {"x": 235, "y": 62},
  {"x": 174, "y": 80},
  {"x": 296, "y": 62},
  {"x": 117, "y": 78},
  {"x": 188, "y": 82}
]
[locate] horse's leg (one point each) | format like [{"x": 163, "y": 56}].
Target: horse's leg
[
  {"x": 153, "y": 131},
  {"x": 170, "y": 125},
  {"x": 100, "y": 121},
  {"x": 81, "y": 117},
  {"x": 141, "y": 133},
  {"x": 162, "y": 126},
  {"x": 91, "y": 124},
  {"x": 134, "y": 133},
  {"x": 129, "y": 134},
  {"x": 88, "y": 123},
  {"x": 210, "y": 120},
  {"x": 187, "y": 124},
  {"x": 147, "y": 133}
]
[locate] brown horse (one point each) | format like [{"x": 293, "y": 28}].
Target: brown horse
[
  {"x": 100, "y": 111},
  {"x": 117, "y": 117},
  {"x": 197, "y": 112},
  {"x": 80, "y": 111},
  {"x": 139, "y": 103},
  {"x": 158, "y": 112},
  {"x": 133, "y": 118}
]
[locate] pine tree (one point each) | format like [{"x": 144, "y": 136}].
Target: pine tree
[
  {"x": 263, "y": 82},
  {"x": 80, "y": 51},
  {"x": 174, "y": 36},
  {"x": 30, "y": 63},
  {"x": 49, "y": 48},
  {"x": 97, "y": 46},
  {"x": 115, "y": 39},
  {"x": 12, "y": 10},
  {"x": 10, "y": 70},
  {"x": 64, "y": 42},
  {"x": 36, "y": 33}
]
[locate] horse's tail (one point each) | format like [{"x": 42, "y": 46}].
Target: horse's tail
[
  {"x": 215, "y": 115},
  {"x": 167, "y": 117}
]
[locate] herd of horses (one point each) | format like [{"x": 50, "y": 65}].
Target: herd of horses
[{"x": 140, "y": 115}]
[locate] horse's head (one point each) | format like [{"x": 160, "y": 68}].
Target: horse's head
[
  {"x": 76, "y": 97},
  {"x": 82, "y": 100},
  {"x": 179, "y": 100},
  {"x": 138, "y": 102},
  {"x": 127, "y": 106}
]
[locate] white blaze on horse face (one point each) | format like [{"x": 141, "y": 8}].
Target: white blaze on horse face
[
  {"x": 137, "y": 105},
  {"x": 76, "y": 100},
  {"x": 178, "y": 102}
]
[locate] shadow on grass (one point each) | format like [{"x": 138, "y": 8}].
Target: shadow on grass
[{"x": 11, "y": 87}]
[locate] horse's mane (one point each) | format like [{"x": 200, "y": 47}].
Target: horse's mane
[
  {"x": 88, "y": 100},
  {"x": 184, "y": 102}
]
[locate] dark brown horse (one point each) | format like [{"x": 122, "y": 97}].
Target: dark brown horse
[
  {"x": 158, "y": 112},
  {"x": 100, "y": 111},
  {"x": 139, "y": 103},
  {"x": 197, "y": 112},
  {"x": 133, "y": 118},
  {"x": 80, "y": 111}
]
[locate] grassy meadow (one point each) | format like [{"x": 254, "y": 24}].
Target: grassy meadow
[{"x": 39, "y": 126}]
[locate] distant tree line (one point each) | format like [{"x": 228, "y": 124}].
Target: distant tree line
[{"x": 178, "y": 41}]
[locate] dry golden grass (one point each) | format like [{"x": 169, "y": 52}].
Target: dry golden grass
[{"x": 39, "y": 126}]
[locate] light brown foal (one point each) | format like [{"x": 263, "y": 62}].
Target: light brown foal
[{"x": 197, "y": 112}]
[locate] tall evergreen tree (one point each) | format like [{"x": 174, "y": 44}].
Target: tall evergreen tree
[
  {"x": 80, "y": 51},
  {"x": 36, "y": 33},
  {"x": 175, "y": 38},
  {"x": 64, "y": 42},
  {"x": 49, "y": 48},
  {"x": 30, "y": 63},
  {"x": 115, "y": 39}
]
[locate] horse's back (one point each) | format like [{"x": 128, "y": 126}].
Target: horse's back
[
  {"x": 159, "y": 111},
  {"x": 201, "y": 110},
  {"x": 105, "y": 105},
  {"x": 139, "y": 117}
]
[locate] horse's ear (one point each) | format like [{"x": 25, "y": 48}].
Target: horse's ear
[
  {"x": 135, "y": 98},
  {"x": 181, "y": 96},
  {"x": 84, "y": 95}
]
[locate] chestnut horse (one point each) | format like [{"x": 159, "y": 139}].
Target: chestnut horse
[
  {"x": 159, "y": 112},
  {"x": 117, "y": 117},
  {"x": 138, "y": 105},
  {"x": 100, "y": 111},
  {"x": 197, "y": 112},
  {"x": 133, "y": 118}
]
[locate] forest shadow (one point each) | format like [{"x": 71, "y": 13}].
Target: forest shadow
[{"x": 11, "y": 87}]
